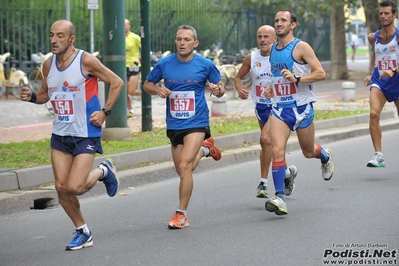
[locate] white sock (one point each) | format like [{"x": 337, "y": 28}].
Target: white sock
[
  {"x": 104, "y": 169},
  {"x": 206, "y": 150},
  {"x": 264, "y": 180},
  {"x": 85, "y": 229},
  {"x": 287, "y": 173},
  {"x": 131, "y": 110},
  {"x": 183, "y": 211}
]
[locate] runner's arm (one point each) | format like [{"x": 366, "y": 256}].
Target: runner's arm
[
  {"x": 307, "y": 54},
  {"x": 242, "y": 72},
  {"x": 41, "y": 96},
  {"x": 92, "y": 66},
  {"x": 371, "y": 39}
]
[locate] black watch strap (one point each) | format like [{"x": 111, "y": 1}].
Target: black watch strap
[
  {"x": 106, "y": 111},
  {"x": 298, "y": 78},
  {"x": 394, "y": 70}
]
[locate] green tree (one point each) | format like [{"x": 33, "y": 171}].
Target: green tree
[
  {"x": 339, "y": 67},
  {"x": 25, "y": 24},
  {"x": 372, "y": 17}
]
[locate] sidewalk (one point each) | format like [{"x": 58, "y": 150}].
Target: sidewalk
[
  {"x": 21, "y": 121},
  {"x": 16, "y": 113}
]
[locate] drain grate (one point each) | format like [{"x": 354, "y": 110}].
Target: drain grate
[{"x": 42, "y": 203}]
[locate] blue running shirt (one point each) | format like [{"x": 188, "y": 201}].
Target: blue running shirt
[
  {"x": 186, "y": 107},
  {"x": 287, "y": 94}
]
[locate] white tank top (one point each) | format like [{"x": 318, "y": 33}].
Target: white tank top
[
  {"x": 386, "y": 54},
  {"x": 74, "y": 98},
  {"x": 261, "y": 77}
]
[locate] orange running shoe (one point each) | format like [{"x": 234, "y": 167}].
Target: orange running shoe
[
  {"x": 214, "y": 151},
  {"x": 178, "y": 221}
]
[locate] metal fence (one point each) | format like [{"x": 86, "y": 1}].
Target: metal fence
[{"x": 25, "y": 26}]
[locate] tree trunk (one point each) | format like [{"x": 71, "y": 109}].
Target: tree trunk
[
  {"x": 372, "y": 18},
  {"x": 339, "y": 67}
]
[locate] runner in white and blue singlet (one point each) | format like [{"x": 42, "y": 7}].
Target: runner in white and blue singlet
[
  {"x": 293, "y": 102},
  {"x": 386, "y": 59},
  {"x": 70, "y": 83},
  {"x": 383, "y": 79},
  {"x": 257, "y": 63},
  {"x": 295, "y": 67},
  {"x": 74, "y": 98}
]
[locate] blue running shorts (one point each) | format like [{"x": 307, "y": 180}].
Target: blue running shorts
[
  {"x": 76, "y": 145},
  {"x": 390, "y": 95},
  {"x": 263, "y": 112},
  {"x": 295, "y": 117}
]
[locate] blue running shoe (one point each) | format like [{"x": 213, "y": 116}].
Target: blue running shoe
[
  {"x": 111, "y": 180},
  {"x": 80, "y": 240}
]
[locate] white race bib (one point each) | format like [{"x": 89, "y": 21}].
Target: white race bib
[
  {"x": 182, "y": 104},
  {"x": 63, "y": 106},
  {"x": 284, "y": 91},
  {"x": 385, "y": 63},
  {"x": 260, "y": 94}
]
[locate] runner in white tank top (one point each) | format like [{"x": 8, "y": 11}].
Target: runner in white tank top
[
  {"x": 383, "y": 79},
  {"x": 74, "y": 98},
  {"x": 257, "y": 63},
  {"x": 71, "y": 84}
]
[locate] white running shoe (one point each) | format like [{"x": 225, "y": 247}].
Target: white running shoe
[
  {"x": 289, "y": 182},
  {"x": 261, "y": 190},
  {"x": 327, "y": 169},
  {"x": 377, "y": 161},
  {"x": 276, "y": 205}
]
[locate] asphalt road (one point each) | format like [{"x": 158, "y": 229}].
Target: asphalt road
[{"x": 354, "y": 212}]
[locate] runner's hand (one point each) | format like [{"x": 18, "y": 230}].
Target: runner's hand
[
  {"x": 367, "y": 81},
  {"x": 97, "y": 118},
  {"x": 163, "y": 92},
  {"x": 25, "y": 94},
  {"x": 268, "y": 92},
  {"x": 243, "y": 93}
]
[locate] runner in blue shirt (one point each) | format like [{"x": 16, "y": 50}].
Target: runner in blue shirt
[{"x": 185, "y": 76}]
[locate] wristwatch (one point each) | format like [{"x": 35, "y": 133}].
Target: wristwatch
[
  {"x": 394, "y": 70},
  {"x": 298, "y": 78},
  {"x": 106, "y": 111}
]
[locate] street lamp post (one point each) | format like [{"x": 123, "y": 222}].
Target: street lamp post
[{"x": 68, "y": 9}]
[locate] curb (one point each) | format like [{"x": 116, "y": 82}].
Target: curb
[{"x": 155, "y": 164}]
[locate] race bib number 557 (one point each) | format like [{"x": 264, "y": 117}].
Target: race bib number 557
[{"x": 182, "y": 104}]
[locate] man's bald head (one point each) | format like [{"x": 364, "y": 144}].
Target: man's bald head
[
  {"x": 66, "y": 26},
  {"x": 267, "y": 28},
  {"x": 127, "y": 27},
  {"x": 265, "y": 38}
]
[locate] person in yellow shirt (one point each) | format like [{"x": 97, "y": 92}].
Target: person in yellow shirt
[{"x": 133, "y": 66}]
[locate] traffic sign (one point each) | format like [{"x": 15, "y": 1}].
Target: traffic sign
[{"x": 92, "y": 4}]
